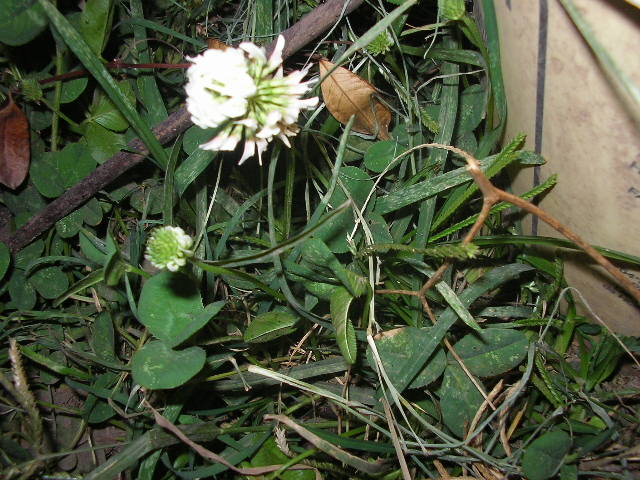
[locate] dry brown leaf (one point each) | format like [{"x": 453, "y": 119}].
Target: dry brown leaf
[
  {"x": 346, "y": 94},
  {"x": 14, "y": 145},
  {"x": 215, "y": 44}
]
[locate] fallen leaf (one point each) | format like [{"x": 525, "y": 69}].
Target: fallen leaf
[
  {"x": 346, "y": 94},
  {"x": 215, "y": 44},
  {"x": 14, "y": 145}
]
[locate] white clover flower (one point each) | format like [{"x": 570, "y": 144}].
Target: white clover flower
[
  {"x": 246, "y": 96},
  {"x": 168, "y": 248}
]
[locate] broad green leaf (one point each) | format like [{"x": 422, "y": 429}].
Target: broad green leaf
[
  {"x": 91, "y": 212},
  {"x": 72, "y": 89},
  {"x": 269, "y": 326},
  {"x": 20, "y": 21},
  {"x": 5, "y": 259},
  {"x": 492, "y": 351},
  {"x": 157, "y": 366},
  {"x": 398, "y": 349},
  {"x": 22, "y": 293},
  {"x": 149, "y": 200},
  {"x": 95, "y": 23},
  {"x": 105, "y": 112},
  {"x": 194, "y": 137},
  {"x": 270, "y": 454},
  {"x": 97, "y": 410},
  {"x": 323, "y": 291},
  {"x": 44, "y": 174},
  {"x": 93, "y": 248},
  {"x": 345, "y": 333},
  {"x": 452, "y": 9},
  {"x": 544, "y": 457},
  {"x": 459, "y": 399},
  {"x": 171, "y": 308},
  {"x": 448, "y": 318},
  {"x": 73, "y": 163},
  {"x": 379, "y": 155},
  {"x": 70, "y": 225},
  {"x": 50, "y": 282},
  {"x": 102, "y": 142},
  {"x": 379, "y": 228},
  {"x": 28, "y": 254}
]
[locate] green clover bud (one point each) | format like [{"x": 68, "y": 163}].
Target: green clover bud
[
  {"x": 169, "y": 247},
  {"x": 381, "y": 44}
]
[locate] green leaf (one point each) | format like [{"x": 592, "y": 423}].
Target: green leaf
[
  {"x": 95, "y": 23},
  {"x": 452, "y": 9},
  {"x": 149, "y": 200},
  {"x": 317, "y": 253},
  {"x": 270, "y": 454},
  {"x": 50, "y": 282},
  {"x": 28, "y": 254},
  {"x": 470, "y": 109},
  {"x": 414, "y": 193},
  {"x": 157, "y": 366},
  {"x": 171, "y": 308},
  {"x": 45, "y": 176},
  {"x": 448, "y": 318},
  {"x": 459, "y": 399},
  {"x": 73, "y": 163},
  {"x": 70, "y": 225},
  {"x": 492, "y": 351},
  {"x": 105, "y": 112},
  {"x": 20, "y": 21},
  {"x": 269, "y": 326},
  {"x": 80, "y": 48},
  {"x": 379, "y": 229},
  {"x": 358, "y": 184},
  {"x": 103, "y": 337},
  {"x": 5, "y": 259},
  {"x": 72, "y": 89},
  {"x": 345, "y": 333},
  {"x": 22, "y": 293},
  {"x": 379, "y": 155},
  {"x": 103, "y": 143},
  {"x": 114, "y": 269},
  {"x": 91, "y": 212},
  {"x": 544, "y": 457},
  {"x": 398, "y": 349}
]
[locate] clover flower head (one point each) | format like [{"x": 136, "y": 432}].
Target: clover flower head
[
  {"x": 168, "y": 248},
  {"x": 245, "y": 95},
  {"x": 381, "y": 44}
]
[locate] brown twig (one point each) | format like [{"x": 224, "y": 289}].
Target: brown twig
[
  {"x": 296, "y": 37},
  {"x": 115, "y": 65},
  {"x": 492, "y": 195}
]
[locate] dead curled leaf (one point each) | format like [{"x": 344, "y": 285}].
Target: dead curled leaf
[
  {"x": 14, "y": 145},
  {"x": 346, "y": 94},
  {"x": 215, "y": 44}
]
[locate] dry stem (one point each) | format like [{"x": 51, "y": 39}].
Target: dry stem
[{"x": 492, "y": 195}]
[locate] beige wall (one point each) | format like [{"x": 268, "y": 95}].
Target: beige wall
[{"x": 587, "y": 135}]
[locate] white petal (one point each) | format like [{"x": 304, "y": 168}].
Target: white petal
[
  {"x": 249, "y": 151},
  {"x": 253, "y": 51},
  {"x": 261, "y": 146},
  {"x": 275, "y": 60},
  {"x": 223, "y": 141}
]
